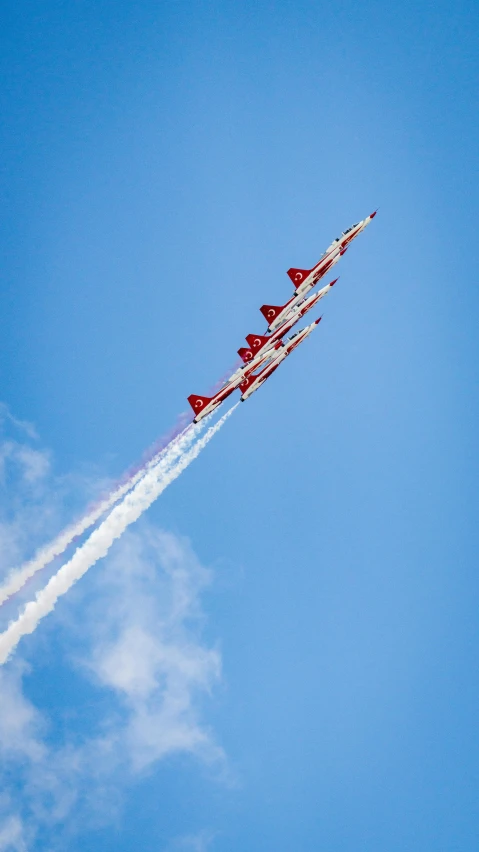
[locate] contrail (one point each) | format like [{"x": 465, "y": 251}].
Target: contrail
[
  {"x": 99, "y": 542},
  {"x": 17, "y": 578}
]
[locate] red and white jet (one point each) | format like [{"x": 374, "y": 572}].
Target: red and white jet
[
  {"x": 289, "y": 314},
  {"x": 267, "y": 351},
  {"x": 252, "y": 382},
  {"x": 261, "y": 349},
  {"x": 305, "y": 279},
  {"x": 204, "y": 405}
]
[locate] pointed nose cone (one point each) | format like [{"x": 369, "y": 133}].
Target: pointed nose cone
[
  {"x": 316, "y": 322},
  {"x": 332, "y": 283},
  {"x": 372, "y": 215}
]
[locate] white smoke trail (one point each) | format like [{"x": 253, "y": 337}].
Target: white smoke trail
[
  {"x": 99, "y": 542},
  {"x": 17, "y": 578}
]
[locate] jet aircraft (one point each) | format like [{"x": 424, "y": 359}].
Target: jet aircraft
[
  {"x": 289, "y": 314},
  {"x": 246, "y": 380},
  {"x": 305, "y": 279},
  {"x": 252, "y": 382},
  {"x": 268, "y": 350}
]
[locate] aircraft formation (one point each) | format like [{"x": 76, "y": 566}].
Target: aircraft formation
[{"x": 269, "y": 350}]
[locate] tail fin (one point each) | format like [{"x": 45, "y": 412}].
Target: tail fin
[
  {"x": 245, "y": 355},
  {"x": 298, "y": 275},
  {"x": 270, "y": 312},
  {"x": 198, "y": 402},
  {"x": 247, "y": 382},
  {"x": 257, "y": 341}
]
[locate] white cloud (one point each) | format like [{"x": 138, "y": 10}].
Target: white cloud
[
  {"x": 12, "y": 837},
  {"x": 147, "y": 646},
  {"x": 35, "y": 463},
  {"x": 32, "y": 465},
  {"x": 137, "y": 626},
  {"x": 22, "y": 425},
  {"x": 20, "y": 723},
  {"x": 199, "y": 842}
]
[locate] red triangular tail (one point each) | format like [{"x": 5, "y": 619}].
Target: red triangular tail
[
  {"x": 298, "y": 275},
  {"x": 270, "y": 312},
  {"x": 245, "y": 355},
  {"x": 198, "y": 402},
  {"x": 247, "y": 382},
  {"x": 257, "y": 341}
]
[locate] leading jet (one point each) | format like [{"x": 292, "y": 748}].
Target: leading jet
[
  {"x": 204, "y": 405},
  {"x": 305, "y": 279}
]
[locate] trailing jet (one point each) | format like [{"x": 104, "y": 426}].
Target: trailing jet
[
  {"x": 305, "y": 279},
  {"x": 204, "y": 405},
  {"x": 252, "y": 382}
]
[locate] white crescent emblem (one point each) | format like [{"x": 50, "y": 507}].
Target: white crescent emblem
[
  {"x": 298, "y": 276},
  {"x": 248, "y": 355},
  {"x": 199, "y": 404},
  {"x": 271, "y": 313},
  {"x": 257, "y": 342}
]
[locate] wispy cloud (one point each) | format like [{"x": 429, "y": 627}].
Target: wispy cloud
[
  {"x": 147, "y": 649},
  {"x": 198, "y": 842},
  {"x": 135, "y": 637},
  {"x": 99, "y": 542},
  {"x": 20, "y": 722},
  {"x": 23, "y": 426},
  {"x": 32, "y": 464},
  {"x": 12, "y": 836},
  {"x": 36, "y": 468}
]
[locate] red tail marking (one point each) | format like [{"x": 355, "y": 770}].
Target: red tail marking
[
  {"x": 198, "y": 402},
  {"x": 256, "y": 341},
  {"x": 245, "y": 355},
  {"x": 298, "y": 275},
  {"x": 247, "y": 382},
  {"x": 270, "y": 312}
]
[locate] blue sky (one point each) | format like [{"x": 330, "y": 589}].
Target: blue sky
[{"x": 162, "y": 166}]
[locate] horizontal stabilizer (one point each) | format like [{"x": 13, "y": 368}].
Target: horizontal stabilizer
[
  {"x": 245, "y": 354},
  {"x": 298, "y": 275},
  {"x": 257, "y": 341},
  {"x": 198, "y": 402}
]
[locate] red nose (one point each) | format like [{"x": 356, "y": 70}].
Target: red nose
[
  {"x": 332, "y": 283},
  {"x": 373, "y": 214}
]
